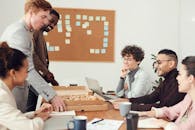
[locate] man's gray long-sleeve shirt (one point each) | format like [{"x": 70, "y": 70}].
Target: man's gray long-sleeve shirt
[{"x": 18, "y": 36}]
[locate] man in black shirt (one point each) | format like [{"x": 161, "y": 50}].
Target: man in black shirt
[{"x": 167, "y": 93}]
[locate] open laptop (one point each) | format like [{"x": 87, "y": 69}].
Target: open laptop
[{"x": 95, "y": 87}]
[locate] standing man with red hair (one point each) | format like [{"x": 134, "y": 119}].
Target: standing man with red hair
[{"x": 20, "y": 36}]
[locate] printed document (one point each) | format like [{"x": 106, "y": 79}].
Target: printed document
[{"x": 105, "y": 124}]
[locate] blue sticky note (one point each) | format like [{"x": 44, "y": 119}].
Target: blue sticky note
[
  {"x": 105, "y": 28},
  {"x": 67, "y": 22},
  {"x": 78, "y": 23},
  {"x": 105, "y": 40},
  {"x": 48, "y": 48},
  {"x": 51, "y": 48},
  {"x": 106, "y": 33},
  {"x": 103, "y": 51},
  {"x": 105, "y": 45}
]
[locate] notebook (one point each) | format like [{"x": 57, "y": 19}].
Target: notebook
[
  {"x": 93, "y": 84},
  {"x": 58, "y": 120}
]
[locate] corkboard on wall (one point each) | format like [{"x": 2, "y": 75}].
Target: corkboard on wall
[{"x": 82, "y": 35}]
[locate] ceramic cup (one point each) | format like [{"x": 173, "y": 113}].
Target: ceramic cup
[
  {"x": 124, "y": 108},
  {"x": 78, "y": 123}
]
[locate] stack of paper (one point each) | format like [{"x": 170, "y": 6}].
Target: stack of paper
[
  {"x": 65, "y": 113},
  {"x": 105, "y": 124},
  {"x": 59, "y": 120}
]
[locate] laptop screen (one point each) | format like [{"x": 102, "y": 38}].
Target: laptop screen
[{"x": 94, "y": 85}]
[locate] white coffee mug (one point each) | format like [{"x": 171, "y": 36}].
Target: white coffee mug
[{"x": 124, "y": 108}]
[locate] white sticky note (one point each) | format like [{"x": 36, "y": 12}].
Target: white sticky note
[
  {"x": 103, "y": 51},
  {"x": 59, "y": 21},
  {"x": 48, "y": 48},
  {"x": 67, "y": 16},
  {"x": 57, "y": 48},
  {"x": 97, "y": 18},
  {"x": 67, "y": 41},
  {"x": 78, "y": 23},
  {"x": 45, "y": 33},
  {"x": 89, "y": 32},
  {"x": 67, "y": 22},
  {"x": 84, "y": 26},
  {"x": 106, "y": 33},
  {"x": 105, "y": 45},
  {"x": 84, "y": 17},
  {"x": 106, "y": 23},
  {"x": 91, "y": 18},
  {"x": 103, "y": 18},
  {"x": 105, "y": 39},
  {"x": 68, "y": 34},
  {"x": 68, "y": 28},
  {"x": 78, "y": 16},
  {"x": 47, "y": 43},
  {"x": 97, "y": 51},
  {"x": 59, "y": 26},
  {"x": 92, "y": 51}
]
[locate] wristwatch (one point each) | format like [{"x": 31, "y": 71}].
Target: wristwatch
[{"x": 122, "y": 78}]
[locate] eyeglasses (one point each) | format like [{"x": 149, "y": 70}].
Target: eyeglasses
[
  {"x": 158, "y": 62},
  {"x": 127, "y": 59}
]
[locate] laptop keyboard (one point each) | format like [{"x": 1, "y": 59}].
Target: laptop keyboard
[
  {"x": 109, "y": 97},
  {"x": 106, "y": 98}
]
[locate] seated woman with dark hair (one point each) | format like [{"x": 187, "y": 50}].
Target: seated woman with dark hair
[
  {"x": 13, "y": 72},
  {"x": 184, "y": 112}
]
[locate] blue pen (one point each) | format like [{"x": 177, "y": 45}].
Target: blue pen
[{"x": 97, "y": 121}]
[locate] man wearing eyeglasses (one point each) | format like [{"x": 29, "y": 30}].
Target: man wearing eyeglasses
[{"x": 167, "y": 93}]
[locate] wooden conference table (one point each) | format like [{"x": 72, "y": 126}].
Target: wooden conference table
[{"x": 111, "y": 113}]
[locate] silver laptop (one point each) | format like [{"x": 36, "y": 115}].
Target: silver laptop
[{"x": 93, "y": 84}]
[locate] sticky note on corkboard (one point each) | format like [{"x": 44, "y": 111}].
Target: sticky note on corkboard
[{"x": 82, "y": 35}]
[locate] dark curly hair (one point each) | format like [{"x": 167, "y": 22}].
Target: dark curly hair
[
  {"x": 135, "y": 51},
  {"x": 54, "y": 12},
  {"x": 10, "y": 59}
]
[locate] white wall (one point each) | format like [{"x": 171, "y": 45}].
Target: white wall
[
  {"x": 10, "y": 12},
  {"x": 151, "y": 24},
  {"x": 187, "y": 36}
]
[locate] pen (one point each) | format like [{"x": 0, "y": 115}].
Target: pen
[{"x": 97, "y": 121}]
